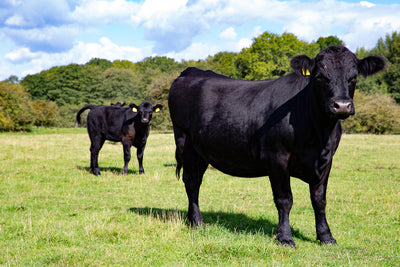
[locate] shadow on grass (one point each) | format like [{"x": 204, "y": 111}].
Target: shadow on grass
[
  {"x": 114, "y": 170},
  {"x": 233, "y": 222}
]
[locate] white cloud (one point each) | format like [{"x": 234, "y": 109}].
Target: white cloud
[
  {"x": 367, "y": 4},
  {"x": 160, "y": 13},
  {"x": 95, "y": 12},
  {"x": 49, "y": 39},
  {"x": 257, "y": 31},
  {"x": 80, "y": 53},
  {"x": 244, "y": 43},
  {"x": 16, "y": 20},
  {"x": 42, "y": 33},
  {"x": 106, "y": 49},
  {"x": 20, "y": 55},
  {"x": 195, "y": 51},
  {"x": 228, "y": 34}
]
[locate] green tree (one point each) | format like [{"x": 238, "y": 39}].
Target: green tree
[
  {"x": 325, "y": 42},
  {"x": 12, "y": 79},
  {"x": 36, "y": 85},
  {"x": 375, "y": 84},
  {"x": 124, "y": 85},
  {"x": 270, "y": 54},
  {"x": 64, "y": 84},
  {"x": 16, "y": 112},
  {"x": 91, "y": 84},
  {"x": 102, "y": 63},
  {"x": 390, "y": 48},
  {"x": 224, "y": 63},
  {"x": 163, "y": 64},
  {"x": 157, "y": 93},
  {"x": 124, "y": 64}
]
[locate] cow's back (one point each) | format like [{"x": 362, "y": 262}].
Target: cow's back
[
  {"x": 225, "y": 118},
  {"x": 107, "y": 121},
  {"x": 199, "y": 97}
]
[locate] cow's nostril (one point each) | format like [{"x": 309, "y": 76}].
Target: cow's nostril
[{"x": 336, "y": 106}]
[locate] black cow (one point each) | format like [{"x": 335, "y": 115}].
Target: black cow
[
  {"x": 118, "y": 104},
  {"x": 130, "y": 126},
  {"x": 279, "y": 127}
]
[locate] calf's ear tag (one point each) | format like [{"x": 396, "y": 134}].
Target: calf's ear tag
[
  {"x": 134, "y": 109},
  {"x": 157, "y": 110},
  {"x": 305, "y": 72}
]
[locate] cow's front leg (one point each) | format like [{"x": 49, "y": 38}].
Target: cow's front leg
[
  {"x": 139, "y": 154},
  {"x": 127, "y": 157},
  {"x": 318, "y": 199},
  {"x": 280, "y": 183}
]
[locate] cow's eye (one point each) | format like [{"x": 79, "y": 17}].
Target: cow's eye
[
  {"x": 353, "y": 79},
  {"x": 322, "y": 77}
]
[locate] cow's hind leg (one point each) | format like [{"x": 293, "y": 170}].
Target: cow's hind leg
[
  {"x": 193, "y": 170},
  {"x": 318, "y": 200},
  {"x": 97, "y": 144}
]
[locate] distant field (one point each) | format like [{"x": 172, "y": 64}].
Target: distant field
[{"x": 52, "y": 211}]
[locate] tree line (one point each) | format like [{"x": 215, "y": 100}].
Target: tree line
[{"x": 52, "y": 97}]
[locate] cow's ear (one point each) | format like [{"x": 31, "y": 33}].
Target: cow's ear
[
  {"x": 302, "y": 65},
  {"x": 133, "y": 107},
  {"x": 371, "y": 65},
  {"x": 157, "y": 108}
]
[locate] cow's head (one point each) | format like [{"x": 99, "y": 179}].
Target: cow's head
[
  {"x": 333, "y": 75},
  {"x": 145, "y": 110}
]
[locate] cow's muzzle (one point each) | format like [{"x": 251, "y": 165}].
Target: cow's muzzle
[{"x": 342, "y": 109}]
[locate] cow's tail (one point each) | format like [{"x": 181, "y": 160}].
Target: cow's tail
[
  {"x": 78, "y": 115},
  {"x": 178, "y": 164}
]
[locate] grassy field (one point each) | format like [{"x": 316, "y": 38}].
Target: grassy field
[{"x": 53, "y": 212}]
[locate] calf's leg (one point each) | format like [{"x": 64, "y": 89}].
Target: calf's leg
[
  {"x": 139, "y": 154},
  {"x": 127, "y": 157},
  {"x": 96, "y": 145}
]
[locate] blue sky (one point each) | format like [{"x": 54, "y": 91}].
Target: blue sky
[{"x": 39, "y": 34}]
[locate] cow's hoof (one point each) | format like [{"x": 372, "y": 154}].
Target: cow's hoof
[
  {"x": 196, "y": 222},
  {"x": 95, "y": 172},
  {"x": 196, "y": 225},
  {"x": 330, "y": 242},
  {"x": 286, "y": 241}
]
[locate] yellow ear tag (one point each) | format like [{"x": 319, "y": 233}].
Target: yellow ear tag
[
  {"x": 305, "y": 72},
  {"x": 134, "y": 109},
  {"x": 157, "y": 110}
]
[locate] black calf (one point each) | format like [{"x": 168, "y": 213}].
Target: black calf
[{"x": 130, "y": 126}]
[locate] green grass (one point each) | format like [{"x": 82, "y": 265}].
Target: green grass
[{"x": 53, "y": 212}]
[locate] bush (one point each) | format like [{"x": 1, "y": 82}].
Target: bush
[
  {"x": 68, "y": 115},
  {"x": 376, "y": 114},
  {"x": 16, "y": 112},
  {"x": 46, "y": 113}
]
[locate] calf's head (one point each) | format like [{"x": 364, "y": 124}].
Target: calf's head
[
  {"x": 145, "y": 111},
  {"x": 333, "y": 74}
]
